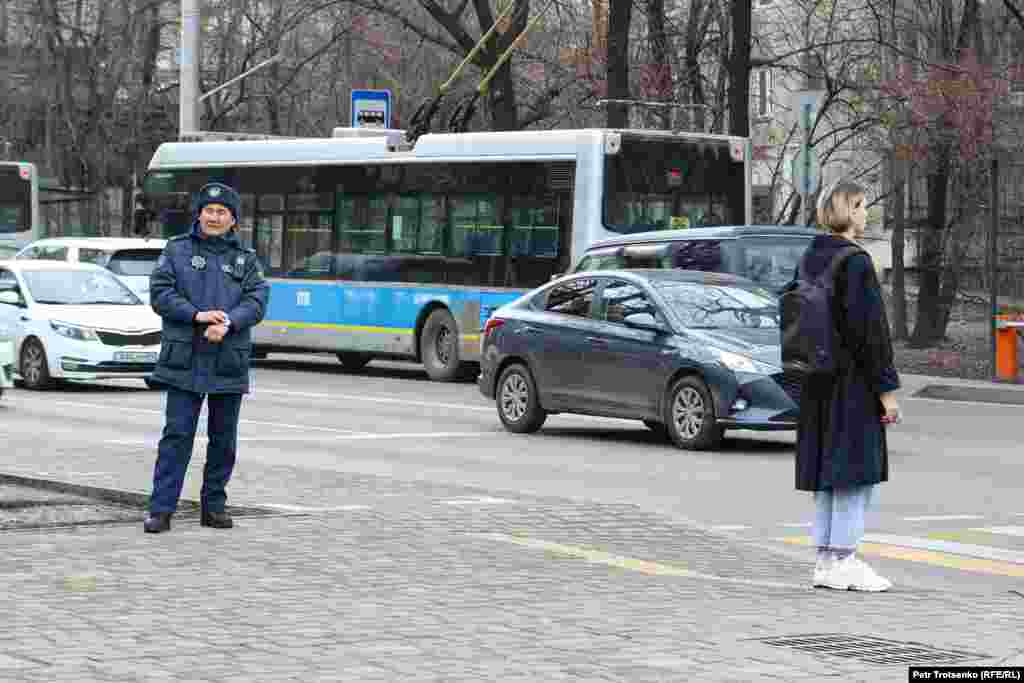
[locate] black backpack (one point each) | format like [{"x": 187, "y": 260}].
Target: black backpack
[{"x": 810, "y": 338}]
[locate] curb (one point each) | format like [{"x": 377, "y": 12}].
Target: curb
[{"x": 119, "y": 496}]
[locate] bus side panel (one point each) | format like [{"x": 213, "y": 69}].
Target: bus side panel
[
  {"x": 301, "y": 314},
  {"x": 347, "y": 316}
]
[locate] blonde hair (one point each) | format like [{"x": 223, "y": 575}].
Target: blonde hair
[{"x": 836, "y": 203}]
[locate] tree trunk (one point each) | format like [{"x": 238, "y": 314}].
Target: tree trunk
[
  {"x": 662, "y": 63},
  {"x": 898, "y": 274},
  {"x": 619, "y": 17},
  {"x": 929, "y": 328},
  {"x": 502, "y": 99},
  {"x": 739, "y": 69}
]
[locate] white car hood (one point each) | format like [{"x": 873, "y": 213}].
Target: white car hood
[{"x": 138, "y": 318}]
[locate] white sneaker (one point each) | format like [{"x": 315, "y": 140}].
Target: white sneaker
[
  {"x": 822, "y": 567},
  {"x": 850, "y": 573}
]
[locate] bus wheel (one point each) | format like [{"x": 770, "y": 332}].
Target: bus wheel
[
  {"x": 354, "y": 361},
  {"x": 439, "y": 347}
]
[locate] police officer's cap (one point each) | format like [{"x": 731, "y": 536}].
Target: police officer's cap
[{"x": 218, "y": 193}]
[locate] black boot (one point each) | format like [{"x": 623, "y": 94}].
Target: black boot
[
  {"x": 157, "y": 522},
  {"x": 217, "y": 520}
]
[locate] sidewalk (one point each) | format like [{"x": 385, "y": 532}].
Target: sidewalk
[{"x": 361, "y": 578}]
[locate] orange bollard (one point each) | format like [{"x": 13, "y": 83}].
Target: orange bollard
[{"x": 1006, "y": 351}]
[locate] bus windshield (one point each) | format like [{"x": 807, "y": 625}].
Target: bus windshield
[
  {"x": 664, "y": 184},
  {"x": 15, "y": 202}
]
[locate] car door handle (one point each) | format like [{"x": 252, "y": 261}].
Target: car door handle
[
  {"x": 527, "y": 329},
  {"x": 599, "y": 341}
]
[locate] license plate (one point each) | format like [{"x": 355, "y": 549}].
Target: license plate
[{"x": 135, "y": 356}]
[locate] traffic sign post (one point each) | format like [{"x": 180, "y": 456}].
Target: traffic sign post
[
  {"x": 805, "y": 165},
  {"x": 371, "y": 108}
]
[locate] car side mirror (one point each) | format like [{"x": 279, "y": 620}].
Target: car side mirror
[
  {"x": 11, "y": 297},
  {"x": 644, "y": 321}
]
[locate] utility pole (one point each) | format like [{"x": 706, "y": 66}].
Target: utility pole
[{"x": 189, "y": 61}]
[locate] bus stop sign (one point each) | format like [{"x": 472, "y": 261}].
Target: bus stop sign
[{"x": 371, "y": 108}]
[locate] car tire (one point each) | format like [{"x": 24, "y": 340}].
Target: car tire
[
  {"x": 439, "y": 347},
  {"x": 658, "y": 428},
  {"x": 517, "y": 401},
  {"x": 354, "y": 361},
  {"x": 34, "y": 370},
  {"x": 690, "y": 416}
]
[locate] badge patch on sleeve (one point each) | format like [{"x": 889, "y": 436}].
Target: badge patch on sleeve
[{"x": 199, "y": 262}]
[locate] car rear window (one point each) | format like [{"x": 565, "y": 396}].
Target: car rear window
[{"x": 134, "y": 262}]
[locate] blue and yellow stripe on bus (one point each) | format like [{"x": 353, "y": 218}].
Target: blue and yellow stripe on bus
[{"x": 371, "y": 317}]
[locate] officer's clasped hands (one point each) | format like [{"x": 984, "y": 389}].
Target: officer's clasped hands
[{"x": 212, "y": 317}]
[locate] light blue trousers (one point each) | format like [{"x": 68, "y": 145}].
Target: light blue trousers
[{"x": 839, "y": 516}]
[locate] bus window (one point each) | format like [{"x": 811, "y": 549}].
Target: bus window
[{"x": 654, "y": 184}]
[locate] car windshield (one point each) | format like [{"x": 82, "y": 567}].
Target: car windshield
[
  {"x": 706, "y": 305},
  {"x": 77, "y": 287}
]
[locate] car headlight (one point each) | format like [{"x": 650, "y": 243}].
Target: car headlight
[
  {"x": 738, "y": 363},
  {"x": 74, "y": 331}
]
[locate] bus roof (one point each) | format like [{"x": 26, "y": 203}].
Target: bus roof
[
  {"x": 723, "y": 231},
  {"x": 550, "y": 144}
]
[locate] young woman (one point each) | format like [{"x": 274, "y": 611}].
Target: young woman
[{"x": 841, "y": 450}]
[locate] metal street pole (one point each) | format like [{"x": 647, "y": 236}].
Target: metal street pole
[
  {"x": 189, "y": 60},
  {"x": 993, "y": 264}
]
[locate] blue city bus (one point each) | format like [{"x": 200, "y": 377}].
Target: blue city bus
[{"x": 378, "y": 248}]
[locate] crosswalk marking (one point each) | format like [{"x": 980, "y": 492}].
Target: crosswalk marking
[
  {"x": 940, "y": 559},
  {"x": 1003, "y": 530}
]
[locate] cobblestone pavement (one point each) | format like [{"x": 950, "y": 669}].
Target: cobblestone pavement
[{"x": 364, "y": 578}]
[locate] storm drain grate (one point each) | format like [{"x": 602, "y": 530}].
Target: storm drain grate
[{"x": 870, "y": 649}]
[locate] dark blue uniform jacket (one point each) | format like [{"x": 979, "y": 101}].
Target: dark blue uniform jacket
[{"x": 196, "y": 274}]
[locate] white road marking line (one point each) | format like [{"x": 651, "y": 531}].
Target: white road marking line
[
  {"x": 304, "y": 508},
  {"x": 373, "y": 399},
  {"x": 798, "y": 525},
  {"x": 1002, "y": 530},
  {"x": 951, "y": 547},
  {"x": 941, "y": 518},
  {"x": 984, "y": 404},
  {"x": 480, "y": 500},
  {"x": 358, "y": 436},
  {"x": 150, "y": 411},
  {"x": 425, "y": 404},
  {"x": 731, "y": 527}
]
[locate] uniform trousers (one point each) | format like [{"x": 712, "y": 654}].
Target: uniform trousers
[{"x": 176, "y": 445}]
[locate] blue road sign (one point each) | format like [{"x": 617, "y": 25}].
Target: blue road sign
[{"x": 371, "y": 108}]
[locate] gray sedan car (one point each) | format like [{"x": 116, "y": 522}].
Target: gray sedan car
[{"x": 689, "y": 353}]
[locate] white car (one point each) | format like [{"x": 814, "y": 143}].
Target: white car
[
  {"x": 75, "y": 321},
  {"x": 130, "y": 258}
]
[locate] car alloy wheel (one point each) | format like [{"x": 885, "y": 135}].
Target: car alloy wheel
[
  {"x": 689, "y": 412},
  {"x": 691, "y": 415},
  {"x": 515, "y": 397},
  {"x": 517, "y": 402}
]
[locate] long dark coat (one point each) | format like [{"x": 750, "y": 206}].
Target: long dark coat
[
  {"x": 197, "y": 273},
  {"x": 840, "y": 439}
]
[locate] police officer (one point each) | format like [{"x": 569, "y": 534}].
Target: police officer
[{"x": 210, "y": 291}]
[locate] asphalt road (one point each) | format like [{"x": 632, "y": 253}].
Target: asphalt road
[{"x": 956, "y": 467}]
